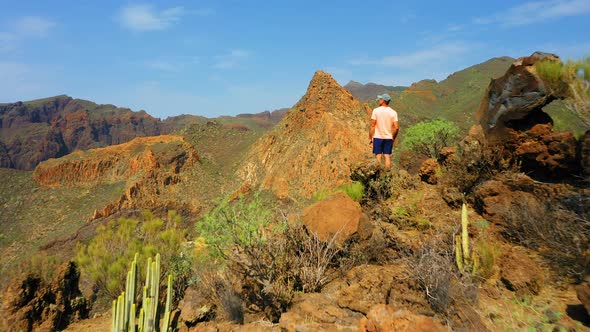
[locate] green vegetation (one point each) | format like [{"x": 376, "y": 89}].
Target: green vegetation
[
  {"x": 124, "y": 307},
  {"x": 429, "y": 137},
  {"x": 240, "y": 223},
  {"x": 572, "y": 80},
  {"x": 105, "y": 258},
  {"x": 467, "y": 261},
  {"x": 355, "y": 190},
  {"x": 270, "y": 261}
]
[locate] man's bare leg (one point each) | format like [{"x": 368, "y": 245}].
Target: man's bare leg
[
  {"x": 387, "y": 161},
  {"x": 379, "y": 158}
]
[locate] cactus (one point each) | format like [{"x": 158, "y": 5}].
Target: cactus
[
  {"x": 124, "y": 307},
  {"x": 466, "y": 261}
]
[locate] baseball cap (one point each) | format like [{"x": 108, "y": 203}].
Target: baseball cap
[{"x": 384, "y": 96}]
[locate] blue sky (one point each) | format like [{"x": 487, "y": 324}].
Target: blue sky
[{"x": 216, "y": 58}]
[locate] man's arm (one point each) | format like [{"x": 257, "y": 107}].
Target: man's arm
[
  {"x": 394, "y": 130},
  {"x": 372, "y": 130}
]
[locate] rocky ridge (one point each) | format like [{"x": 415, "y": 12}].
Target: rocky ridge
[
  {"x": 314, "y": 145},
  {"x": 153, "y": 169}
]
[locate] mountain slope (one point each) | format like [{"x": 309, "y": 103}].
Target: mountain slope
[
  {"x": 53, "y": 127},
  {"x": 456, "y": 98},
  {"x": 314, "y": 145},
  {"x": 366, "y": 92}
]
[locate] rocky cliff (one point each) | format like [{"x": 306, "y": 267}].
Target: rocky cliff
[
  {"x": 314, "y": 145},
  {"x": 512, "y": 118},
  {"x": 153, "y": 169},
  {"x": 34, "y": 131}
]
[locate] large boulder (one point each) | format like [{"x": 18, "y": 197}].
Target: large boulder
[
  {"x": 336, "y": 216},
  {"x": 367, "y": 285},
  {"x": 317, "y": 312},
  {"x": 512, "y": 118},
  {"x": 383, "y": 318},
  {"x": 516, "y": 95}
]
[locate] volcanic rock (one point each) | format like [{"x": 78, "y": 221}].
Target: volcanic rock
[
  {"x": 383, "y": 318},
  {"x": 314, "y": 145},
  {"x": 151, "y": 167},
  {"x": 513, "y": 122},
  {"x": 29, "y": 305},
  {"x": 521, "y": 274},
  {"x": 428, "y": 170},
  {"x": 583, "y": 293},
  {"x": 336, "y": 216},
  {"x": 53, "y": 127},
  {"x": 516, "y": 95}
]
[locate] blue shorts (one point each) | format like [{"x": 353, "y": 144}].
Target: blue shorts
[{"x": 382, "y": 146}]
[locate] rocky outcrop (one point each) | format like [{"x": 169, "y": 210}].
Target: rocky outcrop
[
  {"x": 29, "y": 304},
  {"x": 338, "y": 217},
  {"x": 151, "y": 168},
  {"x": 521, "y": 274},
  {"x": 518, "y": 95},
  {"x": 53, "y": 127},
  {"x": 513, "y": 121},
  {"x": 313, "y": 147},
  {"x": 583, "y": 293},
  {"x": 428, "y": 171},
  {"x": 383, "y": 318}
]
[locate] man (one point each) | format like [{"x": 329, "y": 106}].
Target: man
[{"x": 384, "y": 129}]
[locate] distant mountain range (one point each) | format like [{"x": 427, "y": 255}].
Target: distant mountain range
[
  {"x": 366, "y": 92},
  {"x": 37, "y": 130}
]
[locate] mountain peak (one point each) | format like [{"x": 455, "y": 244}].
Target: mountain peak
[{"x": 314, "y": 146}]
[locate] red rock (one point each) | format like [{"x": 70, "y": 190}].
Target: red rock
[
  {"x": 314, "y": 146},
  {"x": 520, "y": 273},
  {"x": 382, "y": 318},
  {"x": 583, "y": 292},
  {"x": 428, "y": 171},
  {"x": 338, "y": 215}
]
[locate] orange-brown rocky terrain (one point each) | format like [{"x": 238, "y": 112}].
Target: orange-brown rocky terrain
[
  {"x": 314, "y": 146},
  {"x": 153, "y": 169},
  {"x": 389, "y": 261}
]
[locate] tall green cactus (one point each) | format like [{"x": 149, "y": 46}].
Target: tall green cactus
[
  {"x": 124, "y": 308},
  {"x": 466, "y": 260}
]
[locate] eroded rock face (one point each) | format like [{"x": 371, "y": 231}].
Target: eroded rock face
[
  {"x": 314, "y": 145},
  {"x": 512, "y": 119},
  {"x": 336, "y": 216},
  {"x": 151, "y": 168},
  {"x": 515, "y": 95},
  {"x": 54, "y": 127},
  {"x": 316, "y": 312},
  {"x": 428, "y": 170},
  {"x": 30, "y": 305},
  {"x": 383, "y": 318},
  {"x": 520, "y": 273},
  {"x": 583, "y": 293}
]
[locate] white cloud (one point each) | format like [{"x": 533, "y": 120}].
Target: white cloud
[
  {"x": 418, "y": 58},
  {"x": 144, "y": 17},
  {"x": 539, "y": 11},
  {"x": 22, "y": 29},
  {"x": 231, "y": 60}
]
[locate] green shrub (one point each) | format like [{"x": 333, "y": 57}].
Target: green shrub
[
  {"x": 238, "y": 223},
  {"x": 354, "y": 190},
  {"x": 272, "y": 259},
  {"x": 104, "y": 260},
  {"x": 554, "y": 73},
  {"x": 429, "y": 137}
]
